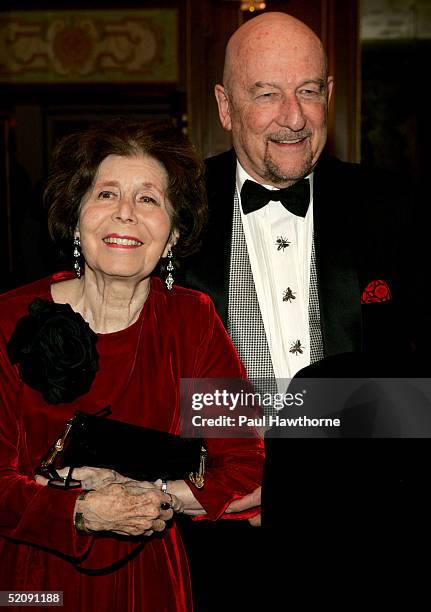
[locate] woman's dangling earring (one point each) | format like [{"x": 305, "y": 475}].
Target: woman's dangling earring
[
  {"x": 77, "y": 256},
  {"x": 169, "y": 280}
]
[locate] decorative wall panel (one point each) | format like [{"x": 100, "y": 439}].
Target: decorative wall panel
[{"x": 83, "y": 46}]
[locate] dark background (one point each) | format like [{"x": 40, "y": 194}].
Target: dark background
[{"x": 378, "y": 115}]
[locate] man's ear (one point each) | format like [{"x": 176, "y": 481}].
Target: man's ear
[
  {"x": 223, "y": 106},
  {"x": 330, "y": 86}
]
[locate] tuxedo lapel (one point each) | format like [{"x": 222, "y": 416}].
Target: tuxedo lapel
[
  {"x": 209, "y": 270},
  {"x": 339, "y": 291}
]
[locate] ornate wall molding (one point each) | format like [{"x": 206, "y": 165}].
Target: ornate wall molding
[{"x": 81, "y": 46}]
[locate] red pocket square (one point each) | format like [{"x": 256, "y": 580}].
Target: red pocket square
[{"x": 376, "y": 291}]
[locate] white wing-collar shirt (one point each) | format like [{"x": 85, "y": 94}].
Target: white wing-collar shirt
[{"x": 279, "y": 245}]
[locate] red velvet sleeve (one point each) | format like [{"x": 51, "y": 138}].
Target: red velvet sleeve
[
  {"x": 29, "y": 512},
  {"x": 236, "y": 464}
]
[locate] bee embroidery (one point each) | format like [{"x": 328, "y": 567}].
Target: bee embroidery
[
  {"x": 296, "y": 348},
  {"x": 281, "y": 243},
  {"x": 289, "y": 295}
]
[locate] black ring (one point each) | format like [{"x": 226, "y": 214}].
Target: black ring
[{"x": 165, "y": 506}]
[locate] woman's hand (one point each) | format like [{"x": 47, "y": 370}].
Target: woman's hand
[
  {"x": 90, "y": 477},
  {"x": 180, "y": 491},
  {"x": 135, "y": 487},
  {"x": 115, "y": 508}
]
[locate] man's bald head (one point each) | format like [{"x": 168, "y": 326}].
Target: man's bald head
[
  {"x": 274, "y": 97},
  {"x": 263, "y": 31}
]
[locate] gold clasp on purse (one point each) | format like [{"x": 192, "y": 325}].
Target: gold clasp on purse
[
  {"x": 47, "y": 466},
  {"x": 198, "y": 478},
  {"x": 58, "y": 447}
]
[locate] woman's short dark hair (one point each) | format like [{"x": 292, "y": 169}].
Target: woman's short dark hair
[{"x": 77, "y": 157}]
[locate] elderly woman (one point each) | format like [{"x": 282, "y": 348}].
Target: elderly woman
[{"x": 125, "y": 198}]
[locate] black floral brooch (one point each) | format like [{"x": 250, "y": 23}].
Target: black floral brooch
[{"x": 55, "y": 350}]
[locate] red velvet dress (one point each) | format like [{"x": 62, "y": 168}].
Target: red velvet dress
[{"x": 177, "y": 335}]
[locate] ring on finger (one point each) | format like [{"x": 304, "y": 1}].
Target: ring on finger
[{"x": 169, "y": 504}]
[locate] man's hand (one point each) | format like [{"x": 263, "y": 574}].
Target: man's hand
[{"x": 252, "y": 500}]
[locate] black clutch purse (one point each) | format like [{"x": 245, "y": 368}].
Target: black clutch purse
[{"x": 137, "y": 452}]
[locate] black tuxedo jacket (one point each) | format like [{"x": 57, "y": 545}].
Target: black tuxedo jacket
[{"x": 357, "y": 221}]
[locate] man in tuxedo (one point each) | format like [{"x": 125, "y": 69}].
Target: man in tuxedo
[{"x": 301, "y": 254}]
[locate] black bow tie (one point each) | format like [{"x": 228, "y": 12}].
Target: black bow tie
[{"x": 295, "y": 198}]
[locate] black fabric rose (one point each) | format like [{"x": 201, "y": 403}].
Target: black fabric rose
[{"x": 55, "y": 350}]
